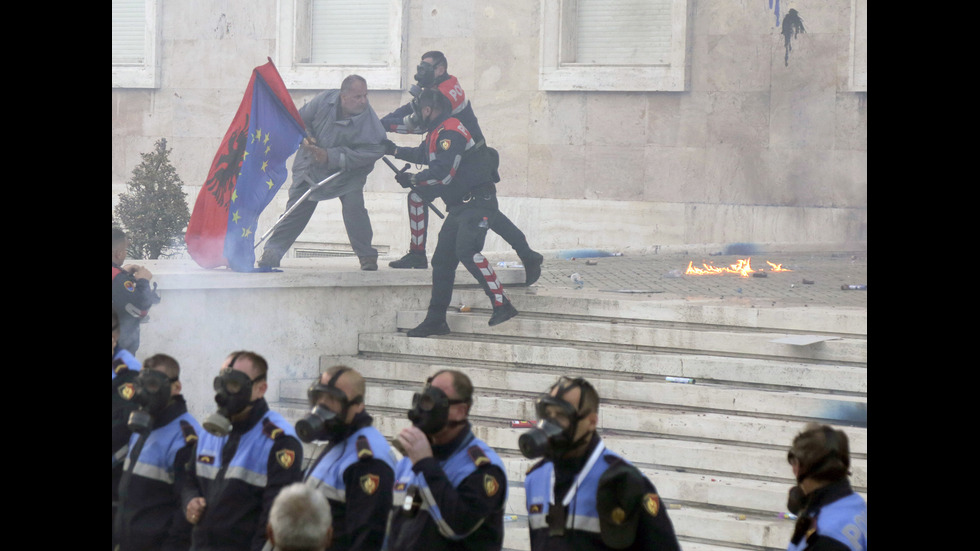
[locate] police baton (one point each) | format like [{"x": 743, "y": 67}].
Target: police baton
[
  {"x": 392, "y": 166},
  {"x": 296, "y": 205}
]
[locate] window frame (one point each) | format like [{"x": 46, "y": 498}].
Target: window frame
[
  {"x": 557, "y": 35},
  {"x": 858, "y": 59}
]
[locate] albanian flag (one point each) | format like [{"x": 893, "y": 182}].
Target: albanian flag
[{"x": 246, "y": 173}]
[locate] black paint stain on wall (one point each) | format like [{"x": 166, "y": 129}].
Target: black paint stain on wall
[{"x": 792, "y": 26}]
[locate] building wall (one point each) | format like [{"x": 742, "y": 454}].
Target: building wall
[{"x": 757, "y": 149}]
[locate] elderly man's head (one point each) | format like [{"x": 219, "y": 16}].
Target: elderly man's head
[{"x": 300, "y": 520}]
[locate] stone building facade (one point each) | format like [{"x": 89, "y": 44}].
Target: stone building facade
[{"x": 666, "y": 124}]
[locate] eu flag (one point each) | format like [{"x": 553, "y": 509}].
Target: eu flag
[{"x": 246, "y": 173}]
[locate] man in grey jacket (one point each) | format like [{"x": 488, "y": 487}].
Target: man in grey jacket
[{"x": 343, "y": 134}]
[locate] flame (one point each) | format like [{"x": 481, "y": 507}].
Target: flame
[
  {"x": 777, "y": 267},
  {"x": 743, "y": 268}
]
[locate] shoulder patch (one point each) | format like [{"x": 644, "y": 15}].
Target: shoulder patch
[
  {"x": 127, "y": 391},
  {"x": 370, "y": 483},
  {"x": 190, "y": 435},
  {"x": 651, "y": 504},
  {"x": 490, "y": 485},
  {"x": 364, "y": 450},
  {"x": 444, "y": 144},
  {"x": 271, "y": 430},
  {"x": 286, "y": 458},
  {"x": 477, "y": 455}
]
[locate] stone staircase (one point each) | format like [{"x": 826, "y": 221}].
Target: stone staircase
[{"x": 715, "y": 448}]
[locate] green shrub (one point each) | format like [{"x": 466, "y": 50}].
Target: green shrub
[{"x": 153, "y": 211}]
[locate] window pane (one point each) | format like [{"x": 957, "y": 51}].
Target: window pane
[
  {"x": 622, "y": 32},
  {"x": 128, "y": 32},
  {"x": 346, "y": 32}
]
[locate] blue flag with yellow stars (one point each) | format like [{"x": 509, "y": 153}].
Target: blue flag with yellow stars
[
  {"x": 247, "y": 171},
  {"x": 273, "y": 136}
]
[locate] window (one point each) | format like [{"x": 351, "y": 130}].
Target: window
[
  {"x": 135, "y": 47},
  {"x": 322, "y": 41},
  {"x": 621, "y": 45}
]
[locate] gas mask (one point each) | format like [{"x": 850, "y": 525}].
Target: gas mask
[
  {"x": 557, "y": 424},
  {"x": 430, "y": 409},
  {"x": 414, "y": 119},
  {"x": 322, "y": 423},
  {"x": 233, "y": 393},
  {"x": 152, "y": 396},
  {"x": 425, "y": 74}
]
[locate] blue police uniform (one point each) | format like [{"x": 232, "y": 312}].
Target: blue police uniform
[
  {"x": 835, "y": 518},
  {"x": 454, "y": 500},
  {"x": 150, "y": 515},
  {"x": 356, "y": 475},
  {"x": 239, "y": 476},
  {"x": 581, "y": 526},
  {"x": 125, "y": 369}
]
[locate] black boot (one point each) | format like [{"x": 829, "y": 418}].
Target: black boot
[
  {"x": 502, "y": 313},
  {"x": 430, "y": 327},
  {"x": 411, "y": 260},
  {"x": 532, "y": 267}
]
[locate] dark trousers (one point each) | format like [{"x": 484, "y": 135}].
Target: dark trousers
[
  {"x": 418, "y": 217},
  {"x": 356, "y": 221},
  {"x": 461, "y": 241}
]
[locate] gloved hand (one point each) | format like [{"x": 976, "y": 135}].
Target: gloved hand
[
  {"x": 390, "y": 147},
  {"x": 405, "y": 179}
]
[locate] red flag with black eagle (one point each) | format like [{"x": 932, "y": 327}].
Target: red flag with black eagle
[{"x": 247, "y": 171}]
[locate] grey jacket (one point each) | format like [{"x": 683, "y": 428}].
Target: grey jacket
[{"x": 353, "y": 145}]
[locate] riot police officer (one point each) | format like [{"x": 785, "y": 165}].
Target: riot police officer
[
  {"x": 450, "y": 488},
  {"x": 355, "y": 472},
  {"x": 247, "y": 454},
  {"x": 462, "y": 175},
  {"x": 581, "y": 491},
  {"x": 432, "y": 74},
  {"x": 163, "y": 440},
  {"x": 831, "y": 516}
]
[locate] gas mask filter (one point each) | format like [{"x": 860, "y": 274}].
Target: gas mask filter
[
  {"x": 430, "y": 409},
  {"x": 152, "y": 396},
  {"x": 233, "y": 393},
  {"x": 322, "y": 423},
  {"x": 557, "y": 424}
]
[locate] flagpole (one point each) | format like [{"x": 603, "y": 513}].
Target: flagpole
[{"x": 296, "y": 205}]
